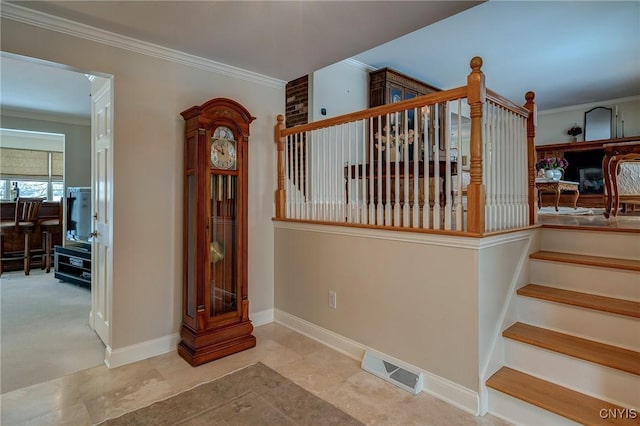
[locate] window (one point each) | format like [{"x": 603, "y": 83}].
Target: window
[{"x": 34, "y": 161}]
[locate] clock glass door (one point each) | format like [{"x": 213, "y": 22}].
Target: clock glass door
[{"x": 223, "y": 272}]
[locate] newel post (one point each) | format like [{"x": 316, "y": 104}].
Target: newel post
[
  {"x": 476, "y": 96},
  {"x": 281, "y": 193},
  {"x": 531, "y": 154}
]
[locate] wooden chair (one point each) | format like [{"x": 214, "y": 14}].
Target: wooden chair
[
  {"x": 49, "y": 228},
  {"x": 24, "y": 224},
  {"x": 620, "y": 180}
]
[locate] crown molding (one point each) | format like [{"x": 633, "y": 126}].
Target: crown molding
[
  {"x": 606, "y": 103},
  {"x": 45, "y": 116},
  {"x": 43, "y": 20},
  {"x": 357, "y": 64}
]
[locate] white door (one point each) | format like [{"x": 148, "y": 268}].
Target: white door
[{"x": 102, "y": 191}]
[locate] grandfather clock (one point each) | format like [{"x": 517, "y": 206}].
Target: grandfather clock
[{"x": 215, "y": 305}]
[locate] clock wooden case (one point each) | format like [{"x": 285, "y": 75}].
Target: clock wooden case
[{"x": 215, "y": 304}]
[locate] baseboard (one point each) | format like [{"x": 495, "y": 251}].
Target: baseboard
[
  {"x": 261, "y": 318},
  {"x": 140, "y": 351},
  {"x": 162, "y": 345},
  {"x": 441, "y": 388}
]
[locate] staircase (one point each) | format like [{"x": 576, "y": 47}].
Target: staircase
[{"x": 573, "y": 355}]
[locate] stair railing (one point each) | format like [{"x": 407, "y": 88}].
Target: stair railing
[{"x": 403, "y": 165}]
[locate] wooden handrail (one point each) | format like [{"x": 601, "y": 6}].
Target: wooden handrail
[
  {"x": 506, "y": 103},
  {"x": 418, "y": 101},
  {"x": 481, "y": 196}
]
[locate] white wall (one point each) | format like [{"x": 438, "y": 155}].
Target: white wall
[
  {"x": 149, "y": 95},
  {"x": 412, "y": 301},
  {"x": 343, "y": 87},
  {"x": 553, "y": 124},
  {"x": 77, "y": 156},
  {"x": 432, "y": 301},
  {"x": 340, "y": 88}
]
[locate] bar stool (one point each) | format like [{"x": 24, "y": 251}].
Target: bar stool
[
  {"x": 26, "y": 223},
  {"x": 49, "y": 228},
  {"x": 7, "y": 229}
]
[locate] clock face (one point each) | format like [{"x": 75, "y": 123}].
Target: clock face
[{"x": 223, "y": 154}]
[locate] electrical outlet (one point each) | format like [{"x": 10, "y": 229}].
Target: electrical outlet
[{"x": 332, "y": 300}]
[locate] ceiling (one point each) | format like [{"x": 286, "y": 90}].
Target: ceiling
[{"x": 564, "y": 51}]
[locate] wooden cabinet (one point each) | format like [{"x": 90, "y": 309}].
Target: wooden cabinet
[
  {"x": 215, "y": 304},
  {"x": 73, "y": 264},
  {"x": 387, "y": 86}
]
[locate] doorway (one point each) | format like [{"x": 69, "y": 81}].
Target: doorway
[{"x": 70, "y": 114}]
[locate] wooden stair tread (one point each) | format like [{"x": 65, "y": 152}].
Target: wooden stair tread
[
  {"x": 583, "y": 259},
  {"x": 588, "y": 350},
  {"x": 565, "y": 402},
  {"x": 585, "y": 300}
]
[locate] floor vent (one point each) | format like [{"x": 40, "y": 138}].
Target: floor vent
[{"x": 402, "y": 377}]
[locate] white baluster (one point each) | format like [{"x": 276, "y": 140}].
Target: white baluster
[
  {"x": 332, "y": 158},
  {"x": 426, "y": 209},
  {"x": 417, "y": 140},
  {"x": 308, "y": 171},
  {"x": 372, "y": 196},
  {"x": 489, "y": 144},
  {"x": 297, "y": 172},
  {"x": 392, "y": 208},
  {"x": 315, "y": 185},
  {"x": 447, "y": 167},
  {"x": 352, "y": 188},
  {"x": 405, "y": 159},
  {"x": 436, "y": 168},
  {"x": 365, "y": 208},
  {"x": 287, "y": 177},
  {"x": 380, "y": 201},
  {"x": 342, "y": 205},
  {"x": 458, "y": 186},
  {"x": 511, "y": 162},
  {"x": 497, "y": 167}
]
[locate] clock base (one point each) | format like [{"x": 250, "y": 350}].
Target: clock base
[{"x": 200, "y": 348}]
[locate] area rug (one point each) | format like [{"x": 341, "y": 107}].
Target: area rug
[
  {"x": 565, "y": 211},
  {"x": 255, "y": 395}
]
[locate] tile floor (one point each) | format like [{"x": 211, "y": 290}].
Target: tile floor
[{"x": 93, "y": 395}]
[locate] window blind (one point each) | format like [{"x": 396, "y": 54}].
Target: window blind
[{"x": 33, "y": 164}]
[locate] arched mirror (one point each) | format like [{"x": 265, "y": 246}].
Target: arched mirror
[{"x": 597, "y": 124}]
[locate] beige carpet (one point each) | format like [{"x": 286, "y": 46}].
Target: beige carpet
[
  {"x": 44, "y": 329},
  {"x": 255, "y": 395}
]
